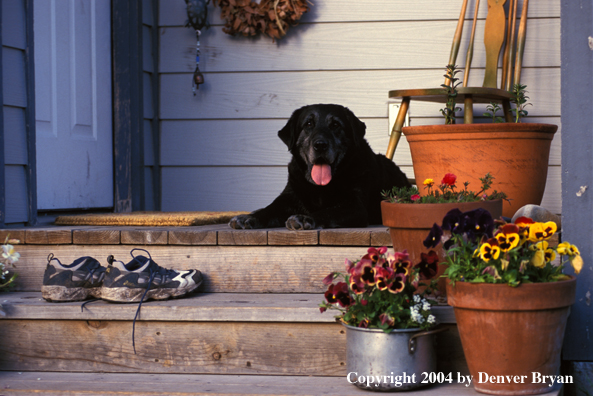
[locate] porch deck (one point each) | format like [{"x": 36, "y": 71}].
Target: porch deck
[{"x": 255, "y": 328}]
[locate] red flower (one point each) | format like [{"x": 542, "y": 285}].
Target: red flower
[
  {"x": 415, "y": 197},
  {"x": 449, "y": 179},
  {"x": 398, "y": 284},
  {"x": 382, "y": 277},
  {"x": 329, "y": 279},
  {"x": 428, "y": 265},
  {"x": 338, "y": 293}
]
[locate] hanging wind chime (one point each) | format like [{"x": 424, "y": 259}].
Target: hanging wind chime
[{"x": 197, "y": 14}]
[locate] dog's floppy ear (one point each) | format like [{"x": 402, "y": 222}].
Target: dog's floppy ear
[
  {"x": 358, "y": 127},
  {"x": 290, "y": 133}
]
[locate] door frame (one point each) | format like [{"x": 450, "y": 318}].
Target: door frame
[{"x": 128, "y": 109}]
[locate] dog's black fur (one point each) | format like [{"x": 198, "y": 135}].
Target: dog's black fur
[{"x": 321, "y": 137}]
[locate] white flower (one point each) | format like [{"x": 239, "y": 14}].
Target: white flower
[
  {"x": 10, "y": 254},
  {"x": 426, "y": 306},
  {"x": 431, "y": 319},
  {"x": 416, "y": 298}
]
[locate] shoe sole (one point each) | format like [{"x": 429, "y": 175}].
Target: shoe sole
[
  {"x": 66, "y": 294},
  {"x": 129, "y": 295}
]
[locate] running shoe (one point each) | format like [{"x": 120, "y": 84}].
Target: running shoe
[
  {"x": 73, "y": 282},
  {"x": 142, "y": 279}
]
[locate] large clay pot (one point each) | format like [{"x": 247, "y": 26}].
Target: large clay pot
[
  {"x": 512, "y": 331},
  {"x": 410, "y": 223},
  {"x": 516, "y": 154}
]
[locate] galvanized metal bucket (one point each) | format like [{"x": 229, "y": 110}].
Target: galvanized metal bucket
[{"x": 393, "y": 361}]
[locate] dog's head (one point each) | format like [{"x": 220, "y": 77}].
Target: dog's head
[{"x": 322, "y": 135}]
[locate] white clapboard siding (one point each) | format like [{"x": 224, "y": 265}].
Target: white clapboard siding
[
  {"x": 15, "y": 136},
  {"x": 344, "y": 46},
  {"x": 16, "y": 194},
  {"x": 220, "y": 150},
  {"x": 14, "y": 27},
  {"x": 197, "y": 142},
  {"x": 15, "y": 86},
  {"x": 276, "y": 95},
  {"x": 173, "y": 12}
]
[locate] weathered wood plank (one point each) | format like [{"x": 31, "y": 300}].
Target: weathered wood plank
[
  {"x": 96, "y": 236},
  {"x": 232, "y": 237},
  {"x": 47, "y": 236},
  {"x": 345, "y": 237},
  {"x": 276, "y": 95},
  {"x": 175, "y": 14},
  {"x": 173, "y": 347},
  {"x": 176, "y": 347},
  {"x": 381, "y": 237},
  {"x": 192, "y": 236},
  {"x": 87, "y": 384},
  {"x": 228, "y": 269},
  {"x": 12, "y": 234},
  {"x": 379, "y": 45},
  {"x": 284, "y": 237},
  {"x": 144, "y": 236},
  {"x": 198, "y": 307}
]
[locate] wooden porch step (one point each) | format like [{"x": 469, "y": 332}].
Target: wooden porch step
[
  {"x": 199, "y": 307},
  {"x": 226, "y": 269},
  {"x": 211, "y": 333},
  {"x": 83, "y": 384}
]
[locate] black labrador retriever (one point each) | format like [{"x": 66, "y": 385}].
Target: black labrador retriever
[{"x": 334, "y": 178}]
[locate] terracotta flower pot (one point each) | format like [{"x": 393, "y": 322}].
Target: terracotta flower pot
[
  {"x": 410, "y": 223},
  {"x": 512, "y": 331},
  {"x": 515, "y": 154}
]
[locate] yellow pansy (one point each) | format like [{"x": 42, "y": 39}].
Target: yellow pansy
[
  {"x": 508, "y": 237},
  {"x": 577, "y": 263},
  {"x": 541, "y": 231},
  {"x": 489, "y": 250}
]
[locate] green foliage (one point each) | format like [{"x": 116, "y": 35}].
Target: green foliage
[
  {"x": 491, "y": 111},
  {"x": 451, "y": 90},
  {"x": 520, "y": 101},
  {"x": 446, "y": 192}
]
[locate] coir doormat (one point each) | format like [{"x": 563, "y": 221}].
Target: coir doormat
[{"x": 148, "y": 218}]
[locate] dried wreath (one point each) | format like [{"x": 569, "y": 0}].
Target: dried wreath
[{"x": 271, "y": 17}]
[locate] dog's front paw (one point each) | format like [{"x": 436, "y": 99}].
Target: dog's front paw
[
  {"x": 244, "y": 222},
  {"x": 300, "y": 222}
]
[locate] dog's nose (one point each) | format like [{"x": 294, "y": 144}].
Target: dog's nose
[{"x": 320, "y": 145}]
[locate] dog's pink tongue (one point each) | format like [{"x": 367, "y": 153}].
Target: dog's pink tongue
[{"x": 321, "y": 174}]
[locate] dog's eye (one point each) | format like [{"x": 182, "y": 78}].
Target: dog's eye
[
  {"x": 309, "y": 123},
  {"x": 334, "y": 124}
]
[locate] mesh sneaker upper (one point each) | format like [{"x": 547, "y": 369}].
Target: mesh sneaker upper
[
  {"x": 142, "y": 270},
  {"x": 84, "y": 272}
]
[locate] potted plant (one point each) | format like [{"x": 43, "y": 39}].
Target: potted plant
[
  {"x": 516, "y": 152},
  {"x": 9, "y": 257},
  {"x": 389, "y": 327},
  {"x": 410, "y": 215},
  {"x": 511, "y": 298}
]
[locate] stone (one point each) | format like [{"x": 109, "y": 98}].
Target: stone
[{"x": 539, "y": 214}]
